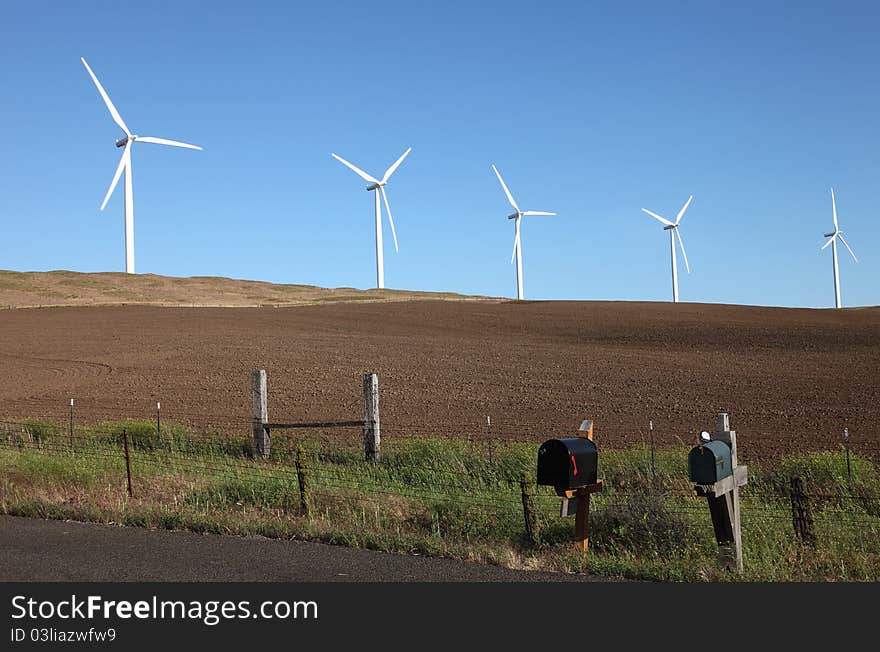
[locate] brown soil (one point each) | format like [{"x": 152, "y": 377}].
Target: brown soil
[{"x": 791, "y": 379}]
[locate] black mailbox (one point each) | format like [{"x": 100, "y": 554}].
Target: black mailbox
[
  {"x": 568, "y": 463},
  {"x": 709, "y": 463}
]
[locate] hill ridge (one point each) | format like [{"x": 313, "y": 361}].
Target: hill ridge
[{"x": 61, "y": 288}]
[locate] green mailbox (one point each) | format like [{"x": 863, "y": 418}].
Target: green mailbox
[{"x": 709, "y": 462}]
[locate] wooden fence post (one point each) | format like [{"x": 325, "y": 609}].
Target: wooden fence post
[
  {"x": 527, "y": 492},
  {"x": 261, "y": 413},
  {"x": 371, "y": 417},
  {"x": 305, "y": 497},
  {"x": 801, "y": 517},
  {"x": 127, "y": 461}
]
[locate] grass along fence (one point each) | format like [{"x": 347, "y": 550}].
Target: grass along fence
[{"x": 444, "y": 496}]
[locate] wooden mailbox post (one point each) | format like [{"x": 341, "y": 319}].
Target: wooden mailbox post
[
  {"x": 576, "y": 502},
  {"x": 723, "y": 499}
]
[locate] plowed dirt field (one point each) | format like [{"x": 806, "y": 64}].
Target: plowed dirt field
[{"x": 791, "y": 379}]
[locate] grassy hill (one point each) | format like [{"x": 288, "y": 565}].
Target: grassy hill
[{"x": 63, "y": 288}]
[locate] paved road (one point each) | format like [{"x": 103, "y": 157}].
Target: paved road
[{"x": 38, "y": 550}]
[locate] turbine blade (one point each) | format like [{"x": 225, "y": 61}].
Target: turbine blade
[
  {"x": 846, "y": 244},
  {"x": 390, "y": 219},
  {"x": 506, "y": 191},
  {"x": 537, "y": 213},
  {"x": 683, "y": 252},
  {"x": 165, "y": 141},
  {"x": 654, "y": 215},
  {"x": 396, "y": 165},
  {"x": 515, "y": 245},
  {"x": 683, "y": 209},
  {"x": 123, "y": 161},
  {"x": 830, "y": 240},
  {"x": 113, "y": 112},
  {"x": 834, "y": 209},
  {"x": 363, "y": 175}
]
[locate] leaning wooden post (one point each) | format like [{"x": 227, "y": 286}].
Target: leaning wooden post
[
  {"x": 371, "y": 417},
  {"x": 724, "y": 433},
  {"x": 127, "y": 461},
  {"x": 801, "y": 518},
  {"x": 261, "y": 413},
  {"x": 527, "y": 493}
]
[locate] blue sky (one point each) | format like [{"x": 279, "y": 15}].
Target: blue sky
[{"x": 592, "y": 110}]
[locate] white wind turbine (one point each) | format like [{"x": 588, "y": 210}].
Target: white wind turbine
[
  {"x": 517, "y": 241},
  {"x": 125, "y": 164},
  {"x": 378, "y": 186},
  {"x": 672, "y": 227},
  {"x": 832, "y": 240}
]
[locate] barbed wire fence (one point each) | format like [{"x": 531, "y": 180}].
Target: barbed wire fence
[{"x": 467, "y": 488}]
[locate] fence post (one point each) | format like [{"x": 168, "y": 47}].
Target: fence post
[
  {"x": 846, "y": 445},
  {"x": 653, "y": 468},
  {"x": 489, "y": 436},
  {"x": 261, "y": 413},
  {"x": 71, "y": 424},
  {"x": 127, "y": 461},
  {"x": 801, "y": 518},
  {"x": 305, "y": 498},
  {"x": 371, "y": 417},
  {"x": 527, "y": 492}
]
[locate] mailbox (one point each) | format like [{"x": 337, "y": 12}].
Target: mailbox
[
  {"x": 568, "y": 463},
  {"x": 709, "y": 463}
]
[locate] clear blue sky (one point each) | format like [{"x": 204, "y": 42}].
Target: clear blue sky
[{"x": 593, "y": 110}]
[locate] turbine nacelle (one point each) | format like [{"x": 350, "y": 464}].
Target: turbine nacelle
[
  {"x": 375, "y": 186},
  {"x": 831, "y": 235},
  {"x": 514, "y": 216},
  {"x": 122, "y": 142},
  {"x": 670, "y": 227}
]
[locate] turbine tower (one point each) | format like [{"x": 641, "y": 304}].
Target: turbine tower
[
  {"x": 125, "y": 164},
  {"x": 832, "y": 240},
  {"x": 517, "y": 241},
  {"x": 377, "y": 187},
  {"x": 672, "y": 227}
]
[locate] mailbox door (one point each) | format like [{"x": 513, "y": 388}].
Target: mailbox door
[
  {"x": 709, "y": 463},
  {"x": 567, "y": 463},
  {"x": 553, "y": 464},
  {"x": 583, "y": 462}
]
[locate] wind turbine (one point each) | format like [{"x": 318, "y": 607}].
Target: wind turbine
[
  {"x": 832, "y": 240},
  {"x": 378, "y": 186},
  {"x": 517, "y": 242},
  {"x": 125, "y": 164},
  {"x": 672, "y": 227}
]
